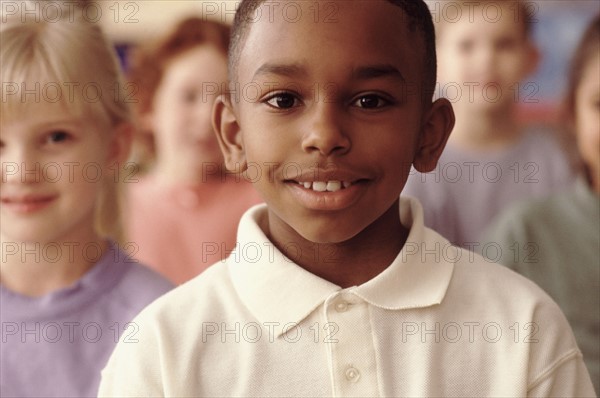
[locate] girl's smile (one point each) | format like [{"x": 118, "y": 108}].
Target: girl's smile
[{"x": 27, "y": 204}]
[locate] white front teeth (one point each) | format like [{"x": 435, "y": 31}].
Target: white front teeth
[
  {"x": 319, "y": 186},
  {"x": 333, "y": 186},
  {"x": 322, "y": 186}
]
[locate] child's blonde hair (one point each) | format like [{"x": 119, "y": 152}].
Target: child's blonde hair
[{"x": 69, "y": 62}]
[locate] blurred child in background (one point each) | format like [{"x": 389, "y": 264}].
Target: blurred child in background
[
  {"x": 562, "y": 233},
  {"x": 490, "y": 160},
  {"x": 67, "y": 292},
  {"x": 183, "y": 213}
]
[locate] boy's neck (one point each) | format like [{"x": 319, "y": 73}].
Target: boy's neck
[
  {"x": 40, "y": 268},
  {"x": 355, "y": 261},
  {"x": 485, "y": 131}
]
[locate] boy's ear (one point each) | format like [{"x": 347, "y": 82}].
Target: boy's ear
[
  {"x": 120, "y": 144},
  {"x": 437, "y": 126},
  {"x": 229, "y": 134}
]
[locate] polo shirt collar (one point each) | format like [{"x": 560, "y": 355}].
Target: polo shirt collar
[{"x": 276, "y": 290}]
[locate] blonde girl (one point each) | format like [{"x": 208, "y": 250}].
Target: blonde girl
[{"x": 67, "y": 289}]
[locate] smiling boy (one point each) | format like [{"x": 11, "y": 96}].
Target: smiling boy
[
  {"x": 333, "y": 141},
  {"x": 335, "y": 286}
]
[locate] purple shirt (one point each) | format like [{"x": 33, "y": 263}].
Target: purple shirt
[
  {"x": 56, "y": 345},
  {"x": 469, "y": 188}
]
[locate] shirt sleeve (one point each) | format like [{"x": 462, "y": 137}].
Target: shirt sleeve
[
  {"x": 568, "y": 377},
  {"x": 133, "y": 369}
]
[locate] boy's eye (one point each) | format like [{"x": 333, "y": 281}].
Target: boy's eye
[
  {"x": 282, "y": 101},
  {"x": 370, "y": 101},
  {"x": 58, "y": 136},
  {"x": 506, "y": 44}
]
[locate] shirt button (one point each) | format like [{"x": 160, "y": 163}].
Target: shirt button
[
  {"x": 341, "y": 306},
  {"x": 352, "y": 374}
]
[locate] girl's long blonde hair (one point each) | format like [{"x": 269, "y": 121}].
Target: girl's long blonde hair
[{"x": 68, "y": 61}]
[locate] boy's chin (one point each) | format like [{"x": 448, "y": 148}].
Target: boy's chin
[{"x": 327, "y": 234}]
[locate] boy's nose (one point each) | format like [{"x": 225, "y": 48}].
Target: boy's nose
[
  {"x": 325, "y": 133},
  {"x": 487, "y": 59}
]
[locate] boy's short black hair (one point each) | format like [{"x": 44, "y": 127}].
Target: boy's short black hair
[{"x": 419, "y": 18}]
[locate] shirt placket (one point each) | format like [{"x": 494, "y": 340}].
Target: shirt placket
[{"x": 350, "y": 346}]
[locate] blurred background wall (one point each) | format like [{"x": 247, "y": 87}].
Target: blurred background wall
[
  {"x": 559, "y": 26},
  {"x": 127, "y": 21}
]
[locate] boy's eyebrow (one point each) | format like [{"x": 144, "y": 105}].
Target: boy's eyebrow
[
  {"x": 375, "y": 71},
  {"x": 359, "y": 73},
  {"x": 289, "y": 70}
]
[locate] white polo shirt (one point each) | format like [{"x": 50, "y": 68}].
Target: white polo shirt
[{"x": 439, "y": 321}]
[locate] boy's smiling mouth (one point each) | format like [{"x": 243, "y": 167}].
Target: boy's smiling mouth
[
  {"x": 321, "y": 181},
  {"x": 327, "y": 190},
  {"x": 325, "y": 186}
]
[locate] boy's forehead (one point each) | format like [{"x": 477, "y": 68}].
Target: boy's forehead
[{"x": 369, "y": 30}]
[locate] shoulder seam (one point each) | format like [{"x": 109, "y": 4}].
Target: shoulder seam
[{"x": 558, "y": 363}]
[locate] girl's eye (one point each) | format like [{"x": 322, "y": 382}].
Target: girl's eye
[
  {"x": 58, "y": 136},
  {"x": 465, "y": 46},
  {"x": 282, "y": 101},
  {"x": 371, "y": 101}
]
